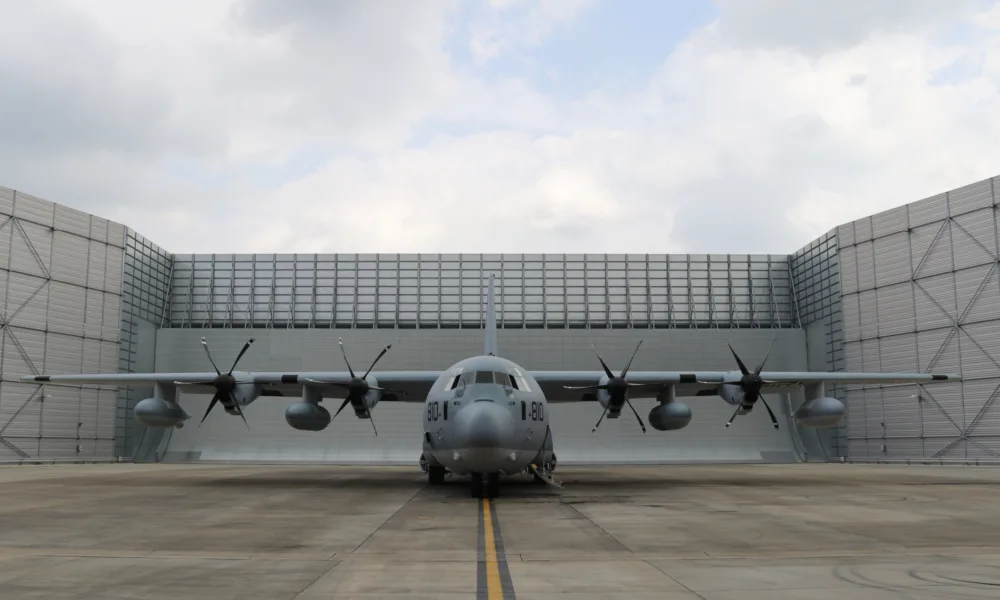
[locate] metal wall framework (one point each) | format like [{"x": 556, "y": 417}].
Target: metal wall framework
[
  {"x": 446, "y": 290},
  {"x": 145, "y": 298},
  {"x": 816, "y": 285},
  {"x": 60, "y": 292},
  {"x": 921, "y": 292}
]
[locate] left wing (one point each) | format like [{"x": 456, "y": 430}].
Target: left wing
[{"x": 706, "y": 383}]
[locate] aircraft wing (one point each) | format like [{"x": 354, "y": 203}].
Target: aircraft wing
[
  {"x": 415, "y": 384},
  {"x": 705, "y": 383}
]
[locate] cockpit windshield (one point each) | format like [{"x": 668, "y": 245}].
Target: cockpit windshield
[{"x": 480, "y": 377}]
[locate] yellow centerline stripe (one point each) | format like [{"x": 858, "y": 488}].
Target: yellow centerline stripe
[{"x": 493, "y": 587}]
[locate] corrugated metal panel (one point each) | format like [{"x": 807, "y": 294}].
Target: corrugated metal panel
[
  {"x": 977, "y": 338},
  {"x": 971, "y": 197},
  {"x": 970, "y": 285},
  {"x": 113, "y": 271},
  {"x": 20, "y": 410},
  {"x": 98, "y": 229},
  {"x": 903, "y": 448},
  {"x": 874, "y": 424},
  {"x": 6, "y": 201},
  {"x": 55, "y": 447},
  {"x": 871, "y": 356},
  {"x": 94, "y": 314},
  {"x": 40, "y": 239},
  {"x": 863, "y": 230},
  {"x": 92, "y": 356},
  {"x": 104, "y": 448},
  {"x": 116, "y": 234},
  {"x": 60, "y": 411},
  {"x": 852, "y": 356},
  {"x": 899, "y": 353},
  {"x": 889, "y": 222},
  {"x": 866, "y": 266},
  {"x": 935, "y": 300},
  {"x": 72, "y": 221},
  {"x": 980, "y": 418},
  {"x": 106, "y": 403},
  {"x": 868, "y": 308},
  {"x": 943, "y": 411},
  {"x": 67, "y": 308},
  {"x": 938, "y": 351},
  {"x": 111, "y": 328},
  {"x": 931, "y": 247},
  {"x": 845, "y": 235},
  {"x": 33, "y": 209},
  {"x": 929, "y": 210},
  {"x": 975, "y": 238},
  {"x": 29, "y": 349},
  {"x": 69, "y": 258},
  {"x": 97, "y": 265},
  {"x": 895, "y": 309},
  {"x": 5, "y": 233},
  {"x": 856, "y": 411},
  {"x": 852, "y": 317},
  {"x": 892, "y": 259},
  {"x": 987, "y": 304},
  {"x": 902, "y": 411},
  {"x": 24, "y": 249},
  {"x": 90, "y": 413},
  {"x": 849, "y": 269},
  {"x": 109, "y": 357},
  {"x": 63, "y": 353},
  {"x": 27, "y": 297}
]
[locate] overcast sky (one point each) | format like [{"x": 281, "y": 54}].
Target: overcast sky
[{"x": 495, "y": 126}]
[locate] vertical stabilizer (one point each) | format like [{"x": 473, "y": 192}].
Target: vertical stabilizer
[{"x": 490, "y": 337}]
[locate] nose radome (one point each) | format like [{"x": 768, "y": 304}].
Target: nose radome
[{"x": 486, "y": 425}]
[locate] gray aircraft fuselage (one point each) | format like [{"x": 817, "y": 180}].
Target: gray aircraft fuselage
[{"x": 484, "y": 415}]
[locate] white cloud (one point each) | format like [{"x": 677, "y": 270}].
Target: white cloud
[{"x": 189, "y": 122}]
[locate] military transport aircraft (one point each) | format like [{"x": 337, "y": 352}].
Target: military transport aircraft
[{"x": 486, "y": 416}]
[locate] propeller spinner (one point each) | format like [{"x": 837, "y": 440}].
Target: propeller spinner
[
  {"x": 224, "y": 383},
  {"x": 358, "y": 387},
  {"x": 751, "y": 383},
  {"x": 617, "y": 387}
]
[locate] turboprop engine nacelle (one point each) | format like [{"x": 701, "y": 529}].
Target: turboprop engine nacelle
[
  {"x": 670, "y": 416},
  {"x": 306, "y": 416},
  {"x": 733, "y": 395},
  {"x": 160, "y": 413},
  {"x": 821, "y": 412}
]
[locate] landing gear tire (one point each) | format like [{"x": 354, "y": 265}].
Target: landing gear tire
[{"x": 435, "y": 475}]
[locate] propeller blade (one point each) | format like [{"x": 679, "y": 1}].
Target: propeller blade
[
  {"x": 599, "y": 421},
  {"x": 641, "y": 424},
  {"x": 372, "y": 422},
  {"x": 735, "y": 412},
  {"x": 344, "y": 352},
  {"x": 239, "y": 409},
  {"x": 774, "y": 420},
  {"x": 377, "y": 358},
  {"x": 215, "y": 398},
  {"x": 193, "y": 382},
  {"x": 625, "y": 371},
  {"x": 586, "y": 387},
  {"x": 603, "y": 364},
  {"x": 342, "y": 405},
  {"x": 240, "y": 355},
  {"x": 390, "y": 390},
  {"x": 336, "y": 383},
  {"x": 743, "y": 367},
  {"x": 204, "y": 345},
  {"x": 761, "y": 367}
]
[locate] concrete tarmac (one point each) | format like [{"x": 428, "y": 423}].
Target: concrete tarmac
[{"x": 189, "y": 532}]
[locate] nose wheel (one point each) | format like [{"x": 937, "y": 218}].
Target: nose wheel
[{"x": 485, "y": 487}]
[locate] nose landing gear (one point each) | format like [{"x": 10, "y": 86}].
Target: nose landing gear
[{"x": 490, "y": 488}]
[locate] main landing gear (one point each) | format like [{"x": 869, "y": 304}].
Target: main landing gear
[{"x": 490, "y": 488}]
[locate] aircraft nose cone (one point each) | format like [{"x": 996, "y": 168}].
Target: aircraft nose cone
[{"x": 484, "y": 425}]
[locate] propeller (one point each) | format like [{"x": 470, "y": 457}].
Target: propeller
[
  {"x": 358, "y": 387},
  {"x": 224, "y": 383},
  {"x": 751, "y": 384},
  {"x": 616, "y": 387}
]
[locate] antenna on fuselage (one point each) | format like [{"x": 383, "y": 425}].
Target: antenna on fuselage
[{"x": 490, "y": 334}]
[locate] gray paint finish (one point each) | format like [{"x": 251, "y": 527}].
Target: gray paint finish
[{"x": 350, "y": 440}]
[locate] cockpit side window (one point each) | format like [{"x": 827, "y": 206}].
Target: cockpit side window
[{"x": 512, "y": 382}]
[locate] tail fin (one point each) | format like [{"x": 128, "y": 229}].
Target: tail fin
[{"x": 490, "y": 335}]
